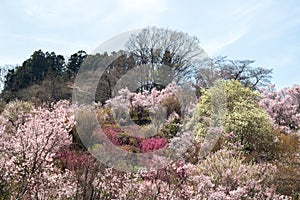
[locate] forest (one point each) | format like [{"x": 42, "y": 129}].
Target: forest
[{"x": 156, "y": 120}]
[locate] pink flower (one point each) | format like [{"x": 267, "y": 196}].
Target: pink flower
[{"x": 152, "y": 144}]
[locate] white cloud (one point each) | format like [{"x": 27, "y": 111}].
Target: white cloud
[
  {"x": 233, "y": 22},
  {"x": 212, "y": 47}
]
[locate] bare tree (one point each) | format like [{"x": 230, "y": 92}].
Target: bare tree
[
  {"x": 155, "y": 47},
  {"x": 241, "y": 70}
]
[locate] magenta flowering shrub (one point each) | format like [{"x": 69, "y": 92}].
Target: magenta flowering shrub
[
  {"x": 283, "y": 107},
  {"x": 119, "y": 138},
  {"x": 85, "y": 172},
  {"x": 113, "y": 135},
  {"x": 28, "y": 145},
  {"x": 71, "y": 160},
  {"x": 152, "y": 144}
]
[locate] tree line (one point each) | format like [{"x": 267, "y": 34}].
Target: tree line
[{"x": 47, "y": 77}]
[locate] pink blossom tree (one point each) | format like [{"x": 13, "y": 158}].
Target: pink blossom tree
[
  {"x": 28, "y": 144},
  {"x": 137, "y": 104},
  {"x": 283, "y": 107}
]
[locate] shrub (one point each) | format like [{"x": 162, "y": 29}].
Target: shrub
[
  {"x": 286, "y": 157},
  {"x": 152, "y": 144},
  {"x": 16, "y": 108},
  {"x": 234, "y": 179}
]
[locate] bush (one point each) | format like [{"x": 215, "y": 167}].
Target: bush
[
  {"x": 236, "y": 179},
  {"x": 286, "y": 157}
]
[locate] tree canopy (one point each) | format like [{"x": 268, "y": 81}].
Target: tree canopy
[{"x": 155, "y": 47}]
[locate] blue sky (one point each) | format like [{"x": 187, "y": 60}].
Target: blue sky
[{"x": 265, "y": 31}]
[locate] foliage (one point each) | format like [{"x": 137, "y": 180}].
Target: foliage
[
  {"x": 179, "y": 180},
  {"x": 42, "y": 155},
  {"x": 238, "y": 112},
  {"x": 86, "y": 124},
  {"x": 287, "y": 179},
  {"x": 41, "y": 164},
  {"x": 34, "y": 70},
  {"x": 140, "y": 105},
  {"x": 74, "y": 62},
  {"x": 286, "y": 157},
  {"x": 283, "y": 109},
  {"x": 236, "y": 179},
  {"x": 112, "y": 74},
  {"x": 44, "y": 77},
  {"x": 15, "y": 109},
  {"x": 129, "y": 108},
  {"x": 172, "y": 127}
]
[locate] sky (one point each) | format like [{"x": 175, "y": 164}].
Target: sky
[{"x": 265, "y": 31}]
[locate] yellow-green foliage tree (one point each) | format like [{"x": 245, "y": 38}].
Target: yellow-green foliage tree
[{"x": 231, "y": 107}]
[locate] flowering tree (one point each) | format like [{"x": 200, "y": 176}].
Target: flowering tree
[
  {"x": 283, "y": 107},
  {"x": 284, "y": 110},
  {"x": 28, "y": 144},
  {"x": 238, "y": 113},
  {"x": 140, "y": 105}
]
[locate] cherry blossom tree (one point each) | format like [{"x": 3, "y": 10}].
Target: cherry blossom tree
[
  {"x": 28, "y": 144},
  {"x": 283, "y": 107}
]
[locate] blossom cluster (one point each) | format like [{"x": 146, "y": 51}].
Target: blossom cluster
[
  {"x": 222, "y": 176},
  {"x": 28, "y": 144},
  {"x": 128, "y": 105},
  {"x": 283, "y": 107}
]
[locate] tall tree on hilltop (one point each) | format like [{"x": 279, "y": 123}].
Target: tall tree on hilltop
[{"x": 155, "y": 47}]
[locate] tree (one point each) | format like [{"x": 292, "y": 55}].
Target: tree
[
  {"x": 155, "y": 47},
  {"x": 112, "y": 74},
  {"x": 234, "y": 108},
  {"x": 30, "y": 139},
  {"x": 75, "y": 62},
  {"x": 283, "y": 107},
  {"x": 44, "y": 75},
  {"x": 241, "y": 70}
]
